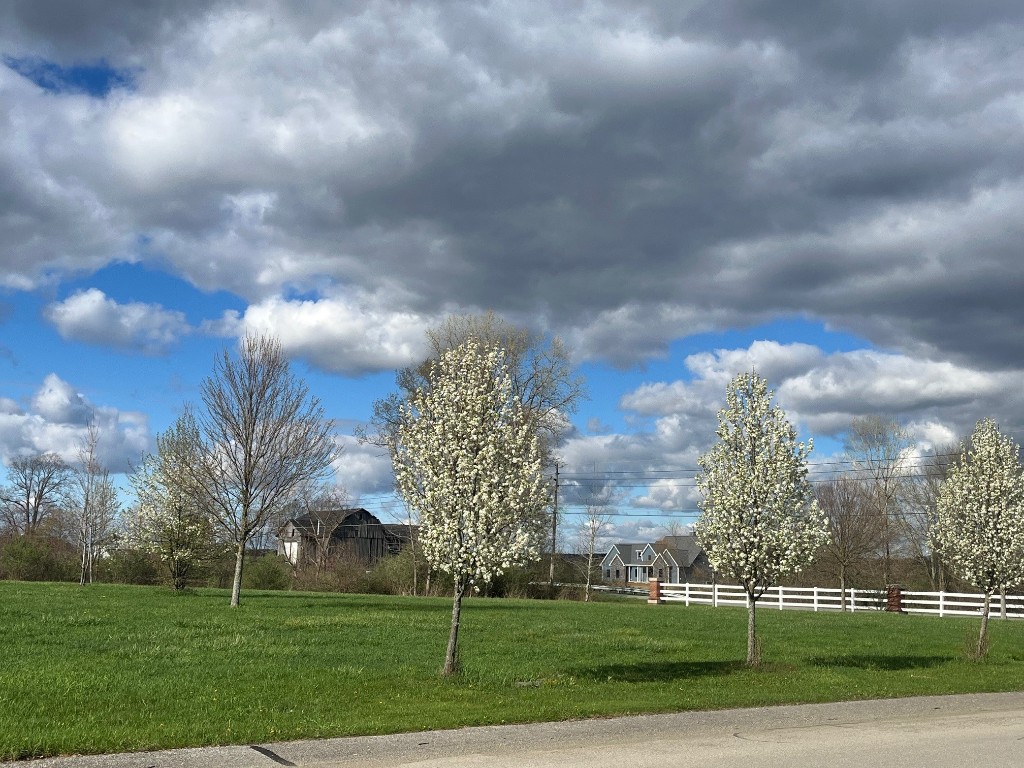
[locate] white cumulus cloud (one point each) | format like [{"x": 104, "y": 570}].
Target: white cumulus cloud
[
  {"x": 93, "y": 317},
  {"x": 336, "y": 334}
]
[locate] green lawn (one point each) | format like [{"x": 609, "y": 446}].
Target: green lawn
[{"x": 115, "y": 668}]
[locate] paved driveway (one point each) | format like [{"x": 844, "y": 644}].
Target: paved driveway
[{"x": 934, "y": 731}]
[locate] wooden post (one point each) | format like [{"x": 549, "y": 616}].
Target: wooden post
[
  {"x": 894, "y": 599},
  {"x": 655, "y": 595}
]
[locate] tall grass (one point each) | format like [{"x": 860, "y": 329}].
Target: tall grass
[{"x": 113, "y": 668}]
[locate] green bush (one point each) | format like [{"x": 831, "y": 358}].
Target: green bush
[
  {"x": 130, "y": 566},
  {"x": 267, "y": 572},
  {"x": 28, "y": 558},
  {"x": 394, "y": 575}
]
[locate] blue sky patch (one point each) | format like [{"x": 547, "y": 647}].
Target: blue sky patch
[{"x": 97, "y": 79}]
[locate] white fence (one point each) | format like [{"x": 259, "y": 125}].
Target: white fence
[{"x": 823, "y": 599}]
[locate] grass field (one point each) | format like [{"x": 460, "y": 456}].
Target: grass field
[{"x": 117, "y": 668}]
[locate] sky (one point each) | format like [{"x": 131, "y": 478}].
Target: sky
[{"x": 824, "y": 192}]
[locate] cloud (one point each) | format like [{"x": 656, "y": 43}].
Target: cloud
[
  {"x": 92, "y": 317},
  {"x": 623, "y": 174},
  {"x": 348, "y": 337},
  {"x": 363, "y": 469},
  {"x": 58, "y": 402},
  {"x": 674, "y": 422},
  {"x": 57, "y": 420}
]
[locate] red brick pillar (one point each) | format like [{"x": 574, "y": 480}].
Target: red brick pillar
[
  {"x": 894, "y": 598},
  {"x": 655, "y": 596}
]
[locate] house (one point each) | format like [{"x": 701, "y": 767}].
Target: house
[
  {"x": 673, "y": 559},
  {"x": 628, "y": 562},
  {"x": 352, "y": 534}
]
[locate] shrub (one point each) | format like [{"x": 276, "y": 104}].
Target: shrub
[
  {"x": 394, "y": 575},
  {"x": 267, "y": 572},
  {"x": 28, "y": 558},
  {"x": 129, "y": 566}
]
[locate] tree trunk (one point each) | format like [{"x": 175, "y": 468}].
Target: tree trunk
[
  {"x": 415, "y": 575},
  {"x": 752, "y": 654},
  {"x": 983, "y": 634},
  {"x": 85, "y": 562},
  {"x": 451, "y": 663},
  {"x": 842, "y": 587},
  {"x": 236, "y": 585}
]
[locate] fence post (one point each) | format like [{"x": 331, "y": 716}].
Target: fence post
[
  {"x": 815, "y": 599},
  {"x": 714, "y": 594},
  {"x": 853, "y": 600},
  {"x": 942, "y": 604},
  {"x": 686, "y": 594},
  {"x": 780, "y": 598},
  {"x": 894, "y": 599},
  {"x": 655, "y": 594}
]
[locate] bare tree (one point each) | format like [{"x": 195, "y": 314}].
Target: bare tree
[
  {"x": 261, "y": 435},
  {"x": 93, "y": 501},
  {"x": 855, "y": 530},
  {"x": 596, "y": 521},
  {"x": 877, "y": 449},
  {"x": 321, "y": 502},
  {"x": 675, "y": 527},
  {"x": 920, "y": 510},
  {"x": 36, "y": 488}
]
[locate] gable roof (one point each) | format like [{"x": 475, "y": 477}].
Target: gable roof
[
  {"x": 683, "y": 549},
  {"x": 313, "y": 523}
]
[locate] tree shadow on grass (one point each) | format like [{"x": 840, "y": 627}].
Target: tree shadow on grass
[
  {"x": 657, "y": 671},
  {"x": 879, "y": 662}
]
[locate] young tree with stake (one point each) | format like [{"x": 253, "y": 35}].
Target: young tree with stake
[
  {"x": 468, "y": 464},
  {"x": 759, "y": 520},
  {"x": 980, "y": 527}
]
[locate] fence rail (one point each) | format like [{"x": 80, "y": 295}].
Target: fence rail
[{"x": 826, "y": 599}]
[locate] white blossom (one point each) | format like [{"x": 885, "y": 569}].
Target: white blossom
[
  {"x": 980, "y": 525},
  {"x": 468, "y": 464},
  {"x": 167, "y": 520},
  {"x": 759, "y": 520}
]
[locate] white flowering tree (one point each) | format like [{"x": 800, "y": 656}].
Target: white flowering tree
[
  {"x": 980, "y": 525},
  {"x": 166, "y": 520},
  {"x": 468, "y": 464},
  {"x": 759, "y": 520}
]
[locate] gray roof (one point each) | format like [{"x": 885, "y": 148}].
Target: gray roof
[
  {"x": 328, "y": 518},
  {"x": 684, "y": 549}
]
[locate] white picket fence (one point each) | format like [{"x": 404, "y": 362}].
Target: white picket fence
[{"x": 824, "y": 599}]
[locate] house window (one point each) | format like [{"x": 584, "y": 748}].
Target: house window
[
  {"x": 660, "y": 573},
  {"x": 640, "y": 555},
  {"x": 616, "y": 573},
  {"x": 607, "y": 573}
]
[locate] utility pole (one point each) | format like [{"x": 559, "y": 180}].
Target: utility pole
[{"x": 554, "y": 534}]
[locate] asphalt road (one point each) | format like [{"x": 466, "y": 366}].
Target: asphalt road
[{"x": 933, "y": 731}]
